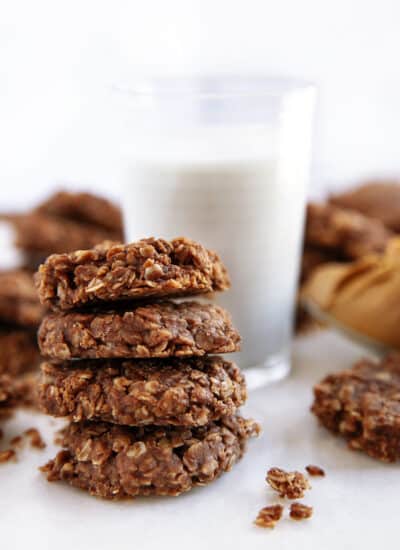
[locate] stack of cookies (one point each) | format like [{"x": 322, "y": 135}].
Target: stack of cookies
[{"x": 152, "y": 411}]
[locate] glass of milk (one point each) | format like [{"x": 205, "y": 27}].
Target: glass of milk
[{"x": 226, "y": 161}]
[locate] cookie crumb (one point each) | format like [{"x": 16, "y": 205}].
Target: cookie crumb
[
  {"x": 16, "y": 441},
  {"x": 36, "y": 439},
  {"x": 288, "y": 484},
  {"x": 314, "y": 470},
  {"x": 6, "y": 456},
  {"x": 300, "y": 511},
  {"x": 269, "y": 516}
]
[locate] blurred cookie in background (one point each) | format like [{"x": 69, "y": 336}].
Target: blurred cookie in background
[
  {"x": 20, "y": 315},
  {"x": 64, "y": 222},
  {"x": 19, "y": 352},
  {"x": 378, "y": 199},
  {"x": 19, "y": 303},
  {"x": 84, "y": 208},
  {"x": 345, "y": 233},
  {"x": 334, "y": 234}
]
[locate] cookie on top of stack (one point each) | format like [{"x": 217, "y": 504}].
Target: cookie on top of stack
[{"x": 152, "y": 410}]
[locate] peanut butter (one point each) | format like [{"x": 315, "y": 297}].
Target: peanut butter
[{"x": 363, "y": 295}]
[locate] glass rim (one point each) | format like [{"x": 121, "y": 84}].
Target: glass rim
[{"x": 213, "y": 86}]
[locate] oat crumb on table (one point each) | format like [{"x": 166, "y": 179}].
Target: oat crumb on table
[
  {"x": 36, "y": 440},
  {"x": 300, "y": 511},
  {"x": 315, "y": 471},
  {"x": 7, "y": 455},
  {"x": 16, "y": 441},
  {"x": 288, "y": 484},
  {"x": 269, "y": 516}
]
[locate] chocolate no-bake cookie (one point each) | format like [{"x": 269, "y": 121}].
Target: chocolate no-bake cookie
[
  {"x": 19, "y": 303},
  {"x": 65, "y": 222},
  {"x": 153, "y": 330},
  {"x": 112, "y": 272},
  {"x": 114, "y": 462},
  {"x": 85, "y": 208},
  {"x": 376, "y": 199},
  {"x": 41, "y": 235},
  {"x": 19, "y": 352},
  {"x": 347, "y": 233},
  {"x": 181, "y": 392},
  {"x": 363, "y": 405}
]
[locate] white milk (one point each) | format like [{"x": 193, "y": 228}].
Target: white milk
[
  {"x": 251, "y": 213},
  {"x": 225, "y": 161}
]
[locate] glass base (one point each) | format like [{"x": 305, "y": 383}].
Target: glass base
[{"x": 275, "y": 368}]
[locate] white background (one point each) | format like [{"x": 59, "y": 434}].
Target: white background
[{"x": 58, "y": 59}]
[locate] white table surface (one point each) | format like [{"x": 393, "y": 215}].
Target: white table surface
[{"x": 355, "y": 504}]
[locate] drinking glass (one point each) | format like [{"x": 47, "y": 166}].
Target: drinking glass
[{"x": 226, "y": 161}]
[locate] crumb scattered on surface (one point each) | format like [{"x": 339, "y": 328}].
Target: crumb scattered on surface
[
  {"x": 16, "y": 441},
  {"x": 7, "y": 455},
  {"x": 288, "y": 484},
  {"x": 300, "y": 511},
  {"x": 36, "y": 439},
  {"x": 314, "y": 470},
  {"x": 269, "y": 516}
]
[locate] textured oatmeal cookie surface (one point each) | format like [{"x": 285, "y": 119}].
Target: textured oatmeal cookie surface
[
  {"x": 117, "y": 462},
  {"x": 182, "y": 392},
  {"x": 113, "y": 272},
  {"x": 363, "y": 405},
  {"x": 164, "y": 329}
]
